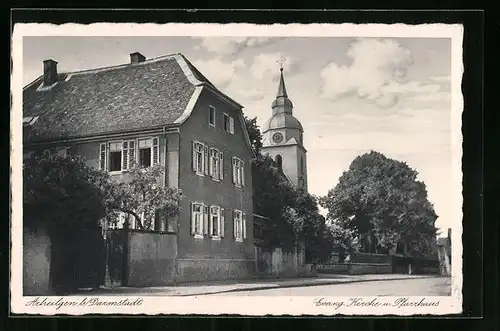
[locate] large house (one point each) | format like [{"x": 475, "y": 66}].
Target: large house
[{"x": 158, "y": 111}]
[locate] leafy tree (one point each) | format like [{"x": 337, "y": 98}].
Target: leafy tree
[
  {"x": 62, "y": 192},
  {"x": 143, "y": 195},
  {"x": 293, "y": 212},
  {"x": 254, "y": 133},
  {"x": 343, "y": 240},
  {"x": 65, "y": 192},
  {"x": 381, "y": 198}
]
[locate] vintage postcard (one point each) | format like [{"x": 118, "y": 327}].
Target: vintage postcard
[{"x": 236, "y": 169}]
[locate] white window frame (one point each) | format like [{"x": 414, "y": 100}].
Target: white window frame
[
  {"x": 199, "y": 158},
  {"x": 214, "y": 164},
  {"x": 211, "y": 110},
  {"x": 229, "y": 129},
  {"x": 238, "y": 167},
  {"x": 108, "y": 155},
  {"x": 239, "y": 225},
  {"x": 216, "y": 217},
  {"x": 197, "y": 219}
]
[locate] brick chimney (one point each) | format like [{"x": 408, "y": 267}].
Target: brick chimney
[
  {"x": 49, "y": 72},
  {"x": 137, "y": 57}
]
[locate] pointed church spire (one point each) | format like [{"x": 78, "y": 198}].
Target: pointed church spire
[{"x": 281, "y": 87}]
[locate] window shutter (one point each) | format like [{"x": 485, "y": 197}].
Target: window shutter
[
  {"x": 131, "y": 154},
  {"x": 222, "y": 222},
  {"x": 205, "y": 163},
  {"x": 125, "y": 155},
  {"x": 221, "y": 166},
  {"x": 210, "y": 163},
  {"x": 242, "y": 165},
  {"x": 244, "y": 226},
  {"x": 210, "y": 221},
  {"x": 205, "y": 219},
  {"x": 156, "y": 151},
  {"x": 193, "y": 223},
  {"x": 194, "y": 156},
  {"x": 102, "y": 157},
  {"x": 234, "y": 224},
  {"x": 233, "y": 167},
  {"x": 231, "y": 125}
]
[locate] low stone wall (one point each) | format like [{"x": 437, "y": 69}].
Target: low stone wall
[
  {"x": 354, "y": 268},
  {"x": 340, "y": 268},
  {"x": 369, "y": 268},
  {"x": 151, "y": 258},
  {"x": 36, "y": 262},
  {"x": 282, "y": 263},
  {"x": 370, "y": 258},
  {"x": 190, "y": 270}
]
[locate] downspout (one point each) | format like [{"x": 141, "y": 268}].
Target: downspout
[{"x": 166, "y": 181}]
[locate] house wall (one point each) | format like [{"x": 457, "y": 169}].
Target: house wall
[
  {"x": 36, "y": 262},
  {"x": 207, "y": 258}
]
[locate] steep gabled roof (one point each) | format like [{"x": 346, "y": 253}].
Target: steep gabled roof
[
  {"x": 127, "y": 97},
  {"x": 154, "y": 93}
]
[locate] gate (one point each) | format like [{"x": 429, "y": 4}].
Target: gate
[{"x": 117, "y": 256}]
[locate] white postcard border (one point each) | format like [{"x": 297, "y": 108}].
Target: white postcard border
[{"x": 239, "y": 305}]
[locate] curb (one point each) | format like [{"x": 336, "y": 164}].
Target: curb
[{"x": 331, "y": 282}]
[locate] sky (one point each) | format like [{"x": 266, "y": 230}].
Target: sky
[{"x": 352, "y": 95}]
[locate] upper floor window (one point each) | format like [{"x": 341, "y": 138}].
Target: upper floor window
[
  {"x": 115, "y": 156},
  {"x": 216, "y": 164},
  {"x": 238, "y": 172},
  {"x": 121, "y": 155},
  {"x": 211, "y": 116},
  {"x": 208, "y": 161},
  {"x": 148, "y": 152},
  {"x": 228, "y": 124},
  {"x": 198, "y": 157}
]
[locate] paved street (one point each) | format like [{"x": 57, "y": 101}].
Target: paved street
[
  {"x": 435, "y": 286},
  {"x": 334, "y": 285}
]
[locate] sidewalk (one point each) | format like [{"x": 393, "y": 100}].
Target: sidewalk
[{"x": 194, "y": 289}]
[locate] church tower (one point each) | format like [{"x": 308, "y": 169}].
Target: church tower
[{"x": 282, "y": 138}]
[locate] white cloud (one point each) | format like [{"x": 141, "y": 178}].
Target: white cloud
[
  {"x": 377, "y": 73},
  {"x": 233, "y": 45},
  {"x": 441, "y": 78},
  {"x": 438, "y": 96},
  {"x": 218, "y": 71},
  {"x": 412, "y": 87},
  {"x": 262, "y": 80},
  {"x": 265, "y": 65}
]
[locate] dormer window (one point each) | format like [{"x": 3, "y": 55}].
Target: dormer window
[{"x": 27, "y": 121}]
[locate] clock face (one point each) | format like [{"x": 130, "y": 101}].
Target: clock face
[{"x": 277, "y": 137}]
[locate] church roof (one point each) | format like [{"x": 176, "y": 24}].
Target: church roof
[
  {"x": 281, "y": 86},
  {"x": 282, "y": 110},
  {"x": 282, "y": 120}
]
